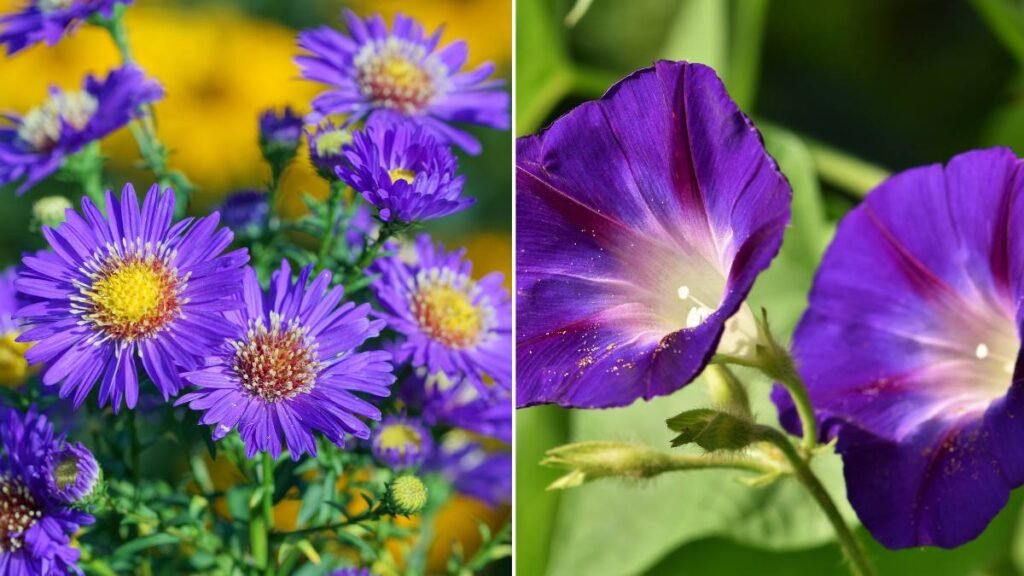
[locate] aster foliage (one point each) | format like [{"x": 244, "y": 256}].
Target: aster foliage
[{"x": 178, "y": 380}]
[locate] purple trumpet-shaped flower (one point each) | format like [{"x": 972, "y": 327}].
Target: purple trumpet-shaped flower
[
  {"x": 291, "y": 366},
  {"x": 124, "y": 287},
  {"x": 451, "y": 322},
  {"x": 644, "y": 219},
  {"x": 36, "y": 144},
  {"x": 36, "y": 525},
  {"x": 401, "y": 442},
  {"x": 49, "y": 20},
  {"x": 401, "y": 74},
  {"x": 403, "y": 171},
  {"x": 910, "y": 349}
]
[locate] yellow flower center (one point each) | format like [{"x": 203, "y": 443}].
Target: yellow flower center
[
  {"x": 13, "y": 366},
  {"x": 399, "y": 437},
  {"x": 131, "y": 297},
  {"x": 445, "y": 312},
  {"x": 330, "y": 143},
  {"x": 401, "y": 174},
  {"x": 396, "y": 74}
]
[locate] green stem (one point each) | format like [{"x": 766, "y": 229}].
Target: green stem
[
  {"x": 371, "y": 514},
  {"x": 848, "y": 541},
  {"x": 268, "y": 509},
  {"x": 135, "y": 450},
  {"x": 153, "y": 152},
  {"x": 330, "y": 222},
  {"x": 371, "y": 250}
]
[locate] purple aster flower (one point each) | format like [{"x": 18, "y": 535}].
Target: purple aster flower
[
  {"x": 451, "y": 322},
  {"x": 910, "y": 349},
  {"x": 475, "y": 470},
  {"x": 280, "y": 134},
  {"x": 71, "y": 473},
  {"x": 403, "y": 171},
  {"x": 460, "y": 404},
  {"x": 129, "y": 285},
  {"x": 644, "y": 219},
  {"x": 401, "y": 442},
  {"x": 360, "y": 225},
  {"x": 246, "y": 212},
  {"x": 291, "y": 367},
  {"x": 401, "y": 74},
  {"x": 35, "y": 526},
  {"x": 13, "y": 366},
  {"x": 325, "y": 143},
  {"x": 48, "y": 21},
  {"x": 35, "y": 145}
]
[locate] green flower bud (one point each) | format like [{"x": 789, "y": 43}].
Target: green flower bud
[
  {"x": 406, "y": 495},
  {"x": 49, "y": 211}
]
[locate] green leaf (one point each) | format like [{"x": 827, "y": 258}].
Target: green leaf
[
  {"x": 145, "y": 543},
  {"x": 543, "y": 71},
  {"x": 1006, "y": 20},
  {"x": 712, "y": 430}
]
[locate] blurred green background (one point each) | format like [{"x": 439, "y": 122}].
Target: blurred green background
[
  {"x": 221, "y": 63},
  {"x": 844, "y": 91}
]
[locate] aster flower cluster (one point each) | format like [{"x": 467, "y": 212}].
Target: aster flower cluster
[{"x": 374, "y": 368}]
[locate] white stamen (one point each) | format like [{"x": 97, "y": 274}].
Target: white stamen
[
  {"x": 683, "y": 292},
  {"x": 981, "y": 351}
]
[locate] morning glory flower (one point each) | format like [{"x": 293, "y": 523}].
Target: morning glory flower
[
  {"x": 36, "y": 525},
  {"x": 910, "y": 349},
  {"x": 291, "y": 366},
  {"x": 127, "y": 286},
  {"x": 245, "y": 212},
  {"x": 404, "y": 172},
  {"x": 401, "y": 73},
  {"x": 49, "y": 20},
  {"x": 36, "y": 144},
  {"x": 644, "y": 219},
  {"x": 451, "y": 322}
]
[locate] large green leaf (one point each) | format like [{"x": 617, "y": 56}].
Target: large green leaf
[
  {"x": 543, "y": 71},
  {"x": 660, "y": 515}
]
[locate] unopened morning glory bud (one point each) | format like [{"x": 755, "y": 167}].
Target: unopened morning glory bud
[
  {"x": 49, "y": 210},
  {"x": 405, "y": 496}
]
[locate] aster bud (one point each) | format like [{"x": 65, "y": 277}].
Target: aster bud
[
  {"x": 406, "y": 495},
  {"x": 325, "y": 148},
  {"x": 49, "y": 211},
  {"x": 279, "y": 136},
  {"x": 73, "y": 474}
]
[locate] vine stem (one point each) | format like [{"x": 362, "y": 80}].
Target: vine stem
[
  {"x": 848, "y": 541},
  {"x": 331, "y": 221}
]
